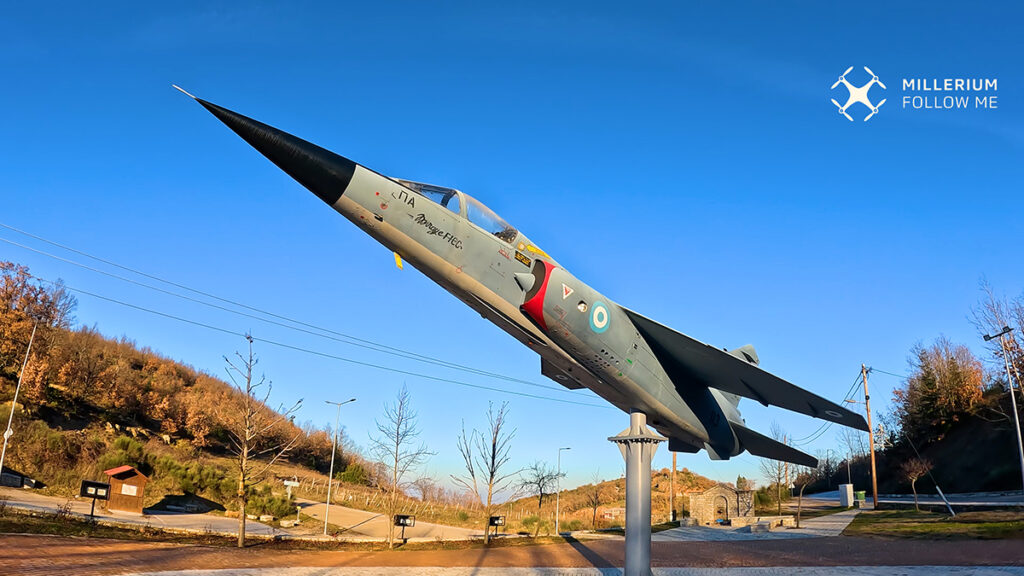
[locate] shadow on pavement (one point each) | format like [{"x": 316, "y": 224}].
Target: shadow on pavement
[{"x": 595, "y": 559}]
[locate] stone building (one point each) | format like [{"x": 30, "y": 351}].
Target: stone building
[{"x": 720, "y": 504}]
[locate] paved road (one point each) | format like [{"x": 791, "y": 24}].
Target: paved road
[
  {"x": 375, "y": 525},
  {"x": 27, "y": 500},
  {"x": 823, "y": 526},
  {"x": 1015, "y": 498},
  {"x": 357, "y": 523}
]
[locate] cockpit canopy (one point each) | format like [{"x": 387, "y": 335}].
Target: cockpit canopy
[{"x": 474, "y": 211}]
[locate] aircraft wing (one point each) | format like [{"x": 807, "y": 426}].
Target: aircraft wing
[
  {"x": 765, "y": 447},
  {"x": 695, "y": 361}
]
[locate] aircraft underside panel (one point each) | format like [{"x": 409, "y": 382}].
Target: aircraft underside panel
[{"x": 551, "y": 371}]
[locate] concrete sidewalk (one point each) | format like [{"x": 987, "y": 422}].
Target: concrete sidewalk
[{"x": 820, "y": 527}]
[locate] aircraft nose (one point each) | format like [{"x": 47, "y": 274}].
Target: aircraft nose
[{"x": 321, "y": 171}]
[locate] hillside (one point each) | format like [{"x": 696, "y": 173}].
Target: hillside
[
  {"x": 578, "y": 504},
  {"x": 90, "y": 403},
  {"x": 976, "y": 452}
]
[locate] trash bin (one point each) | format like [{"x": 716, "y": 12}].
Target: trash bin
[{"x": 860, "y": 498}]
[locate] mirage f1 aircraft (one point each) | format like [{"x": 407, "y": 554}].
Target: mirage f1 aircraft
[{"x": 688, "y": 390}]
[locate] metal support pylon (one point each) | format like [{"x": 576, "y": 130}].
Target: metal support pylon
[{"x": 638, "y": 444}]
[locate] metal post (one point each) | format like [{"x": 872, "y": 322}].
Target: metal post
[
  {"x": 334, "y": 448},
  {"x": 871, "y": 438},
  {"x": 10, "y": 418},
  {"x": 1013, "y": 401},
  {"x": 638, "y": 444},
  {"x": 672, "y": 495},
  {"x": 558, "y": 487}
]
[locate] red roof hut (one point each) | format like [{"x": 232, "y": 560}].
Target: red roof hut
[{"x": 127, "y": 488}]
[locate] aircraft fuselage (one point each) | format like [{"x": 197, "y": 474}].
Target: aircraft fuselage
[{"x": 583, "y": 334}]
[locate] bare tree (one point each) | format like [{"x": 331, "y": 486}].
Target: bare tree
[
  {"x": 912, "y": 470},
  {"x": 856, "y": 441},
  {"x": 592, "y": 497},
  {"x": 397, "y": 449},
  {"x": 805, "y": 475},
  {"x": 256, "y": 432},
  {"x": 989, "y": 317},
  {"x": 538, "y": 479},
  {"x": 489, "y": 461},
  {"x": 427, "y": 488},
  {"x": 774, "y": 471},
  {"x": 827, "y": 467}
]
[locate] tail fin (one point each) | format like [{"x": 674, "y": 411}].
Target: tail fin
[
  {"x": 765, "y": 447},
  {"x": 747, "y": 354}
]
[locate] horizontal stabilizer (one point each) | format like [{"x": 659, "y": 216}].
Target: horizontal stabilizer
[
  {"x": 690, "y": 361},
  {"x": 765, "y": 447}
]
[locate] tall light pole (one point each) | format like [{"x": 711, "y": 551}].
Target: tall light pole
[
  {"x": 558, "y": 486},
  {"x": 334, "y": 448},
  {"x": 1013, "y": 402},
  {"x": 10, "y": 419}
]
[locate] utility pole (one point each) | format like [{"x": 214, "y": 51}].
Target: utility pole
[
  {"x": 558, "y": 487},
  {"x": 10, "y": 419},
  {"x": 871, "y": 438},
  {"x": 672, "y": 494},
  {"x": 334, "y": 448},
  {"x": 1013, "y": 401}
]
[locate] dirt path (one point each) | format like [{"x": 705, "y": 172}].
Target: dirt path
[{"x": 32, "y": 555}]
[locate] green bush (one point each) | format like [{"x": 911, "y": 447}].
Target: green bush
[
  {"x": 264, "y": 501},
  {"x": 354, "y": 474},
  {"x": 124, "y": 451},
  {"x": 210, "y": 482},
  {"x": 462, "y": 515},
  {"x": 571, "y": 525},
  {"x": 536, "y": 524}
]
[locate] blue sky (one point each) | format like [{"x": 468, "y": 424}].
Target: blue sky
[{"x": 685, "y": 160}]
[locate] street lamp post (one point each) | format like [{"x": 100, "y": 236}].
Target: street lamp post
[
  {"x": 558, "y": 487},
  {"x": 334, "y": 448},
  {"x": 10, "y": 418},
  {"x": 1013, "y": 401}
]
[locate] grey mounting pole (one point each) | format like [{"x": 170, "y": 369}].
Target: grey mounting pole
[{"x": 638, "y": 444}]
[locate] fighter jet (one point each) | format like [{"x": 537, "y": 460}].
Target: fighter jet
[{"x": 688, "y": 390}]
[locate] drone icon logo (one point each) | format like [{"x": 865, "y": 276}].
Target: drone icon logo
[{"x": 858, "y": 94}]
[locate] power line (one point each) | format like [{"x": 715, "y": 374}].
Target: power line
[
  {"x": 825, "y": 426},
  {"x": 317, "y": 352},
  {"x": 338, "y": 336},
  {"x": 873, "y": 369}
]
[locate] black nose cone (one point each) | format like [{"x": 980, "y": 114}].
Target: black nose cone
[{"x": 323, "y": 172}]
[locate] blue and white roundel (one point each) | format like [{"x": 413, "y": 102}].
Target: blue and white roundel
[{"x": 599, "y": 318}]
